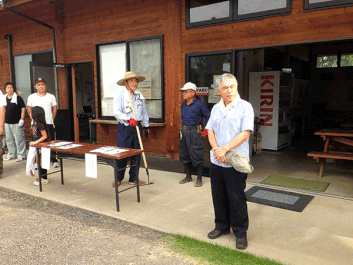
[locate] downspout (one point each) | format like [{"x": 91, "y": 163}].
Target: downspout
[
  {"x": 11, "y": 64},
  {"x": 3, "y": 3},
  {"x": 37, "y": 21}
]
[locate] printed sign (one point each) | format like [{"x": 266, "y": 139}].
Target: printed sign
[
  {"x": 202, "y": 91},
  {"x": 146, "y": 83}
]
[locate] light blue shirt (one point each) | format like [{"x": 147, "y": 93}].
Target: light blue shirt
[
  {"x": 226, "y": 127},
  {"x": 140, "y": 110}
]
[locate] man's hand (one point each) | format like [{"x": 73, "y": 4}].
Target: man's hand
[
  {"x": 133, "y": 122},
  {"x": 220, "y": 154},
  {"x": 204, "y": 133},
  {"x": 1, "y": 130},
  {"x": 21, "y": 123}
]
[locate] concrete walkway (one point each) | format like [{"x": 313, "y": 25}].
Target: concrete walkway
[{"x": 321, "y": 234}]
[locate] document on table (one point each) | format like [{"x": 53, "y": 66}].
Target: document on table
[
  {"x": 115, "y": 151},
  {"x": 109, "y": 150},
  {"x": 91, "y": 165},
  {"x": 102, "y": 149},
  {"x": 69, "y": 146},
  {"x": 60, "y": 144},
  {"x": 45, "y": 154}
]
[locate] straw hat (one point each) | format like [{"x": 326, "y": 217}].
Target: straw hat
[{"x": 130, "y": 75}]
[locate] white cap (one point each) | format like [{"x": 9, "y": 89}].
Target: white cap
[{"x": 188, "y": 86}]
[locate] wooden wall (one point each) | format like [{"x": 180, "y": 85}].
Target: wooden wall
[{"x": 80, "y": 25}]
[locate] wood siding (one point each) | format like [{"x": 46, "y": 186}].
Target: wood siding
[{"x": 80, "y": 25}]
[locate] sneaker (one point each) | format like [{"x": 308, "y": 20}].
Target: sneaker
[
  {"x": 19, "y": 159},
  {"x": 56, "y": 164},
  {"x": 44, "y": 181},
  {"x": 8, "y": 158}
]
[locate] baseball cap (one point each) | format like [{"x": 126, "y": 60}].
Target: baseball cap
[
  {"x": 40, "y": 80},
  {"x": 188, "y": 86}
]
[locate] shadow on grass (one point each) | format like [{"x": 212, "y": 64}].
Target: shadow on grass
[{"x": 214, "y": 254}]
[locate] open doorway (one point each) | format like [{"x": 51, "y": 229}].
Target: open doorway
[
  {"x": 321, "y": 97},
  {"x": 85, "y": 98}
]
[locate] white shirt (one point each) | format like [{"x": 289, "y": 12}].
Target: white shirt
[
  {"x": 227, "y": 123},
  {"x": 120, "y": 111},
  {"x": 47, "y": 103}
]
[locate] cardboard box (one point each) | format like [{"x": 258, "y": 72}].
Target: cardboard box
[{"x": 258, "y": 143}]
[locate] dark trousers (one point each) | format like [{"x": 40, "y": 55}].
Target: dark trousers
[
  {"x": 229, "y": 200},
  {"x": 191, "y": 148},
  {"x": 52, "y": 138},
  {"x": 127, "y": 137}
]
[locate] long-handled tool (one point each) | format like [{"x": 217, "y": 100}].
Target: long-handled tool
[{"x": 140, "y": 140}]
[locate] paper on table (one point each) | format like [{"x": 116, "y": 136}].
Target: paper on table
[
  {"x": 69, "y": 146},
  {"x": 45, "y": 154},
  {"x": 102, "y": 149},
  {"x": 115, "y": 151},
  {"x": 91, "y": 165},
  {"x": 60, "y": 143}
]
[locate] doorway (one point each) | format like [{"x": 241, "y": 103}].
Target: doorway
[{"x": 85, "y": 98}]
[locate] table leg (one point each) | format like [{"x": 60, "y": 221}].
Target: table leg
[
  {"x": 62, "y": 171},
  {"x": 324, "y": 159},
  {"x": 115, "y": 166},
  {"x": 39, "y": 169},
  {"x": 137, "y": 180}
]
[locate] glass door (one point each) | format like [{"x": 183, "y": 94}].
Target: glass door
[
  {"x": 64, "y": 124},
  {"x": 203, "y": 69}
]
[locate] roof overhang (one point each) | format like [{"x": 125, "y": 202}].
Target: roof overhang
[{"x": 11, "y": 3}]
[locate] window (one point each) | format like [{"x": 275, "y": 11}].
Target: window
[
  {"x": 326, "y": 61},
  {"x": 209, "y": 12},
  {"x": 321, "y": 4},
  {"x": 346, "y": 59},
  {"x": 253, "y": 8},
  {"x": 23, "y": 73},
  {"x": 203, "y": 70},
  {"x": 144, "y": 57}
]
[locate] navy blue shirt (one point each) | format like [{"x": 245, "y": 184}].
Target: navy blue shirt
[{"x": 192, "y": 115}]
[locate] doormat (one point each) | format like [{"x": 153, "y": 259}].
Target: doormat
[
  {"x": 278, "y": 198},
  {"x": 296, "y": 183}
]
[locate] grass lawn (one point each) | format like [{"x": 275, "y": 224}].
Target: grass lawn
[{"x": 214, "y": 254}]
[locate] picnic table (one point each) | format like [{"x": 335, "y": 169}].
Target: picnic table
[
  {"x": 78, "y": 153},
  {"x": 338, "y": 135}
]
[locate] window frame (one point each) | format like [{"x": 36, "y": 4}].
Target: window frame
[
  {"x": 234, "y": 17},
  {"x": 325, "y": 5},
  {"x": 340, "y": 59},
  {"x": 331, "y": 54},
  {"x": 269, "y": 13},
  {"x": 128, "y": 68}
]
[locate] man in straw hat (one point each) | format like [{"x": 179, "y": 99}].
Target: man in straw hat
[
  {"x": 191, "y": 143},
  {"x": 229, "y": 127},
  {"x": 127, "y": 134}
]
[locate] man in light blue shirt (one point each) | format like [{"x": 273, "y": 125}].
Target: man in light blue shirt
[
  {"x": 229, "y": 127},
  {"x": 127, "y": 133}
]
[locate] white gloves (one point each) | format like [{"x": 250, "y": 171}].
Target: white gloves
[{"x": 21, "y": 123}]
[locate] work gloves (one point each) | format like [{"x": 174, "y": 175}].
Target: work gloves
[
  {"x": 204, "y": 133},
  {"x": 133, "y": 122},
  {"x": 21, "y": 123}
]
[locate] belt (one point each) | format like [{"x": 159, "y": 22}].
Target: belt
[{"x": 189, "y": 128}]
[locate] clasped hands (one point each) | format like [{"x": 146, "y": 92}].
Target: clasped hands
[{"x": 220, "y": 154}]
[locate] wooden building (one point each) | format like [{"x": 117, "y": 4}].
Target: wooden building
[{"x": 189, "y": 40}]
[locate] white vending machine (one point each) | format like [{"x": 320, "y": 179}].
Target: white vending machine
[{"x": 270, "y": 94}]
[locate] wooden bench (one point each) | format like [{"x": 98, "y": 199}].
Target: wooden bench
[{"x": 330, "y": 154}]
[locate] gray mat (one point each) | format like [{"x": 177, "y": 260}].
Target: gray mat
[{"x": 278, "y": 198}]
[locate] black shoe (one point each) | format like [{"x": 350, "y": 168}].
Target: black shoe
[
  {"x": 241, "y": 243},
  {"x": 216, "y": 233}
]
